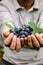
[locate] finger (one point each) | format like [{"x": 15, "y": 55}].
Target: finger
[
  {"x": 22, "y": 41},
  {"x": 13, "y": 44},
  {"x": 6, "y": 32},
  {"x": 41, "y": 35},
  {"x": 8, "y": 39},
  {"x": 40, "y": 39},
  {"x": 35, "y": 41},
  {"x": 18, "y": 45},
  {"x": 25, "y": 41},
  {"x": 25, "y": 38},
  {"x": 29, "y": 41}
]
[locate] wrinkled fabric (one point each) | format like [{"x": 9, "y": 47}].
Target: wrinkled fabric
[{"x": 11, "y": 12}]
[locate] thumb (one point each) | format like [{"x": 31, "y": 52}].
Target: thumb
[{"x": 6, "y": 32}]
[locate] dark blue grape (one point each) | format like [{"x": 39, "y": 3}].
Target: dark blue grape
[
  {"x": 14, "y": 32},
  {"x": 18, "y": 30},
  {"x": 29, "y": 33},
  {"x": 26, "y": 33},
  {"x": 22, "y": 36},
  {"x": 19, "y": 36},
  {"x": 22, "y": 32},
  {"x": 30, "y": 28},
  {"x": 27, "y": 30}
]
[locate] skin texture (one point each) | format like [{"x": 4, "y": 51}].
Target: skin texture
[
  {"x": 29, "y": 41},
  {"x": 34, "y": 39},
  {"x": 13, "y": 43}
]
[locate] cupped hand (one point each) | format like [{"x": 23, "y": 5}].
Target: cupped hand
[{"x": 35, "y": 40}]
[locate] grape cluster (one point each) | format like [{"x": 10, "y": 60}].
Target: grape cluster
[{"x": 22, "y": 33}]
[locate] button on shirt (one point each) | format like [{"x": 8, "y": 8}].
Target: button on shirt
[{"x": 11, "y": 12}]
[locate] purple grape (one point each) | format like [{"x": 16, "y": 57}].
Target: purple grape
[
  {"x": 18, "y": 30},
  {"x": 26, "y": 33},
  {"x": 22, "y": 36},
  {"x": 29, "y": 28},
  {"x": 14, "y": 32},
  {"x": 29, "y": 33},
  {"x": 22, "y": 32}
]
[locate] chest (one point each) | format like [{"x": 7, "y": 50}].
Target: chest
[{"x": 23, "y": 17}]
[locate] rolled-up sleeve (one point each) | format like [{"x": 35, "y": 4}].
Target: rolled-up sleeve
[{"x": 5, "y": 17}]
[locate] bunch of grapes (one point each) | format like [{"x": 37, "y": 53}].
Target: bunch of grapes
[{"x": 22, "y": 33}]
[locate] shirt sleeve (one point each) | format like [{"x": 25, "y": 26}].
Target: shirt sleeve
[
  {"x": 40, "y": 23},
  {"x": 5, "y": 17}
]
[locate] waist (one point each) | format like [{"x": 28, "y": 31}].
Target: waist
[{"x": 23, "y": 56}]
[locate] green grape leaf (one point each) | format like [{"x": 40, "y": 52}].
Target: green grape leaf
[
  {"x": 9, "y": 26},
  {"x": 39, "y": 30},
  {"x": 35, "y": 28}
]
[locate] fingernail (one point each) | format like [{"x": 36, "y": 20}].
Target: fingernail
[
  {"x": 25, "y": 38},
  {"x": 37, "y": 34},
  {"x": 12, "y": 34}
]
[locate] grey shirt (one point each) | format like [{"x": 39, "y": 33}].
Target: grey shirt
[{"x": 11, "y": 12}]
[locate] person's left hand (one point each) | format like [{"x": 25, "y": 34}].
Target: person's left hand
[{"x": 35, "y": 40}]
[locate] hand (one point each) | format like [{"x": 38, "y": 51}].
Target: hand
[
  {"x": 35, "y": 40},
  {"x": 40, "y": 38},
  {"x": 27, "y": 39},
  {"x": 10, "y": 38},
  {"x": 15, "y": 44}
]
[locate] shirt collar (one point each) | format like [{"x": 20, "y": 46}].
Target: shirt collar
[{"x": 17, "y": 6}]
